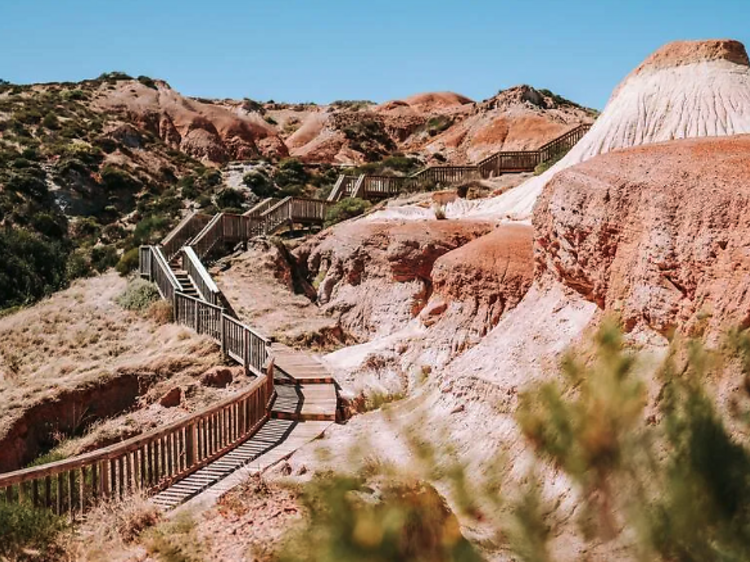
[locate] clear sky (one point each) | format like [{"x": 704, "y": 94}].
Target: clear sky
[{"x": 322, "y": 50}]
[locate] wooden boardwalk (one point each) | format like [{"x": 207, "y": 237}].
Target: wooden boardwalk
[{"x": 304, "y": 406}]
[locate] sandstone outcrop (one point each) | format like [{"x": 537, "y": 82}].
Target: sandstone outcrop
[
  {"x": 201, "y": 129},
  {"x": 377, "y": 276},
  {"x": 656, "y": 233}
]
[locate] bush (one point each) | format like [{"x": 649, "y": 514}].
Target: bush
[
  {"x": 346, "y": 209},
  {"x": 78, "y": 265},
  {"x": 259, "y": 183},
  {"x": 30, "y": 267},
  {"x": 50, "y": 122},
  {"x": 130, "y": 261},
  {"x": 230, "y": 198},
  {"x": 26, "y": 531},
  {"x": 546, "y": 165},
  {"x": 291, "y": 172},
  {"x": 138, "y": 295},
  {"x": 148, "y": 82},
  {"x": 103, "y": 257},
  {"x": 270, "y": 120}
]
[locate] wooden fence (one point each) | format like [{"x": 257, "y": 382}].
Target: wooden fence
[
  {"x": 149, "y": 462},
  {"x": 379, "y": 187},
  {"x": 188, "y": 227}
]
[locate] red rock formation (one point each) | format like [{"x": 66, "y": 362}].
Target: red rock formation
[{"x": 658, "y": 233}]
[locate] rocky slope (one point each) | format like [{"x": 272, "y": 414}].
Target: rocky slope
[
  {"x": 685, "y": 89},
  {"x": 654, "y": 233},
  {"x": 437, "y": 127}
]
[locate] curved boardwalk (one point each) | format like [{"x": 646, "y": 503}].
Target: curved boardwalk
[{"x": 291, "y": 401}]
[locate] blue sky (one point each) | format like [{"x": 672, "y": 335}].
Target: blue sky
[{"x": 322, "y": 50}]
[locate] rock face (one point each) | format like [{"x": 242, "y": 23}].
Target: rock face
[
  {"x": 687, "y": 89},
  {"x": 203, "y": 130},
  {"x": 488, "y": 275},
  {"x": 658, "y": 234},
  {"x": 441, "y": 127},
  {"x": 375, "y": 276}
]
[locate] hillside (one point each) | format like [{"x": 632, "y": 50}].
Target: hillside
[{"x": 91, "y": 170}]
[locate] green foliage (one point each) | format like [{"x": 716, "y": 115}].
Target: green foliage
[
  {"x": 129, "y": 261},
  {"x": 103, "y": 257},
  {"x": 346, "y": 209},
  {"x": 175, "y": 540},
  {"x": 547, "y": 164},
  {"x": 150, "y": 230},
  {"x": 138, "y": 295},
  {"x": 559, "y": 100},
  {"x": 148, "y": 82},
  {"x": 396, "y": 165},
  {"x": 230, "y": 198},
  {"x": 114, "y": 179},
  {"x": 26, "y": 532},
  {"x": 437, "y": 125},
  {"x": 30, "y": 267},
  {"x": 352, "y": 105},
  {"x": 290, "y": 174},
  {"x": 270, "y": 120},
  {"x": 50, "y": 121},
  {"x": 259, "y": 183},
  {"x": 369, "y": 137},
  {"x": 402, "y": 521}
]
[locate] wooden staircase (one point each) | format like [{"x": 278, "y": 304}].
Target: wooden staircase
[{"x": 381, "y": 187}]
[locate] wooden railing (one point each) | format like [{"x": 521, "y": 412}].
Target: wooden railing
[
  {"x": 205, "y": 241},
  {"x": 161, "y": 274},
  {"x": 189, "y": 227},
  {"x": 526, "y": 161},
  {"x": 278, "y": 215},
  {"x": 261, "y": 207},
  {"x": 377, "y": 187},
  {"x": 199, "y": 276},
  {"x": 308, "y": 210},
  {"x": 149, "y": 462},
  {"x": 343, "y": 187}
]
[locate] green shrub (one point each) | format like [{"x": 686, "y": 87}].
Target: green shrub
[
  {"x": 259, "y": 183},
  {"x": 26, "y": 531},
  {"x": 114, "y": 179},
  {"x": 78, "y": 264},
  {"x": 128, "y": 262},
  {"x": 270, "y": 120},
  {"x": 148, "y": 82},
  {"x": 138, "y": 295},
  {"x": 547, "y": 164},
  {"x": 230, "y": 198},
  {"x": 103, "y": 257},
  {"x": 346, "y": 209},
  {"x": 30, "y": 267},
  {"x": 50, "y": 122},
  {"x": 291, "y": 172},
  {"x": 150, "y": 230}
]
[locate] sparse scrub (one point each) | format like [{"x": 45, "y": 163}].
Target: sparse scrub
[
  {"x": 544, "y": 166},
  {"x": 28, "y": 533},
  {"x": 129, "y": 261},
  {"x": 175, "y": 540},
  {"x": 138, "y": 295},
  {"x": 346, "y": 209}
]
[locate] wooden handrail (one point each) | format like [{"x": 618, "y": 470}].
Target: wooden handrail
[
  {"x": 199, "y": 275},
  {"x": 184, "y": 231},
  {"x": 150, "y": 462}
]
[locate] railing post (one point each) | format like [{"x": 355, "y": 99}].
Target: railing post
[
  {"x": 223, "y": 335},
  {"x": 246, "y": 350}
]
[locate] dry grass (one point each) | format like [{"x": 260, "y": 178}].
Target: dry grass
[
  {"x": 81, "y": 337},
  {"x": 112, "y": 530}
]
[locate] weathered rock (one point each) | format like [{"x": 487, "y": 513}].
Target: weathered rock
[
  {"x": 172, "y": 398},
  {"x": 657, "y": 234},
  {"x": 217, "y": 377},
  {"x": 376, "y": 276}
]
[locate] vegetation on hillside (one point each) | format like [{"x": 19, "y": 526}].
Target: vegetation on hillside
[
  {"x": 346, "y": 209},
  {"x": 81, "y": 188}
]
